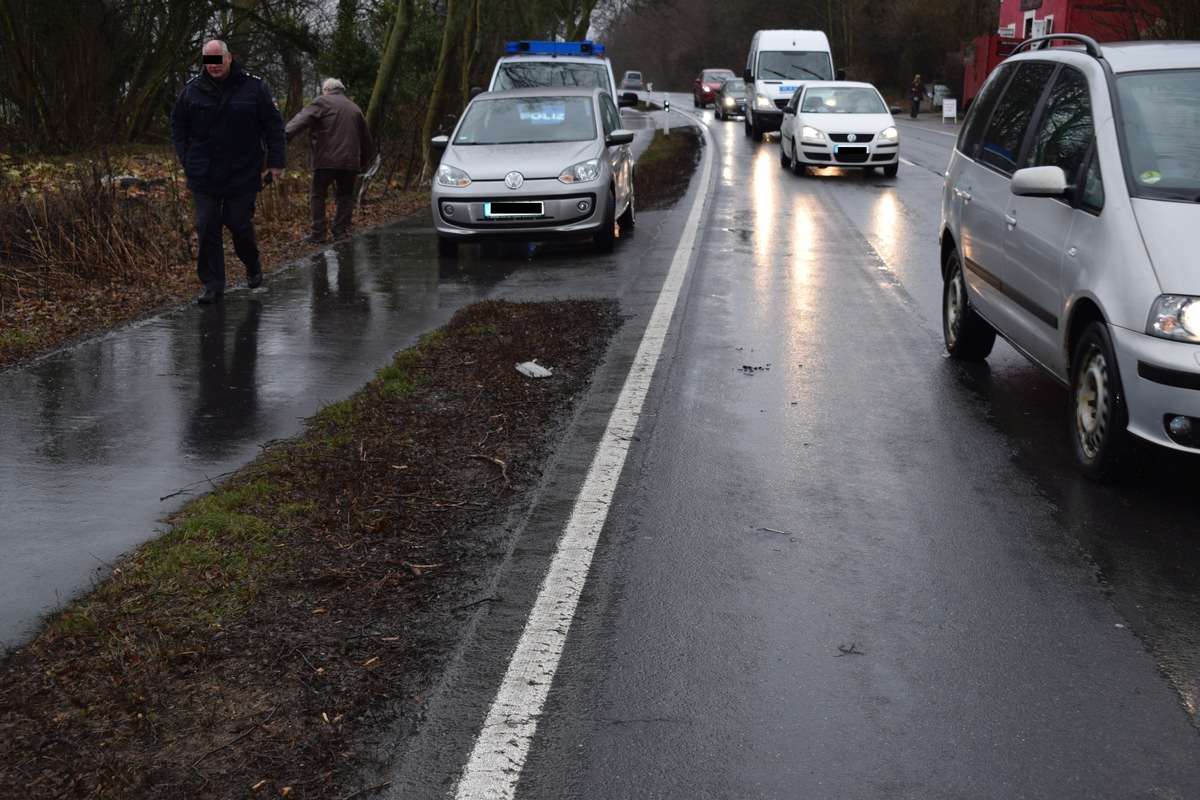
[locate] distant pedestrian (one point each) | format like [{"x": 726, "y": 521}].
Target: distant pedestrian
[
  {"x": 916, "y": 92},
  {"x": 340, "y": 147},
  {"x": 222, "y": 122}
]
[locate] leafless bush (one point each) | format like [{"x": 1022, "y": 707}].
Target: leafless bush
[{"x": 92, "y": 229}]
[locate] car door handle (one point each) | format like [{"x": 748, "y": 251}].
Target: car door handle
[
  {"x": 965, "y": 194},
  {"x": 1010, "y": 220}
]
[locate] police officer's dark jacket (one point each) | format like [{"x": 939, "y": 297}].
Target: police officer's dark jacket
[{"x": 220, "y": 128}]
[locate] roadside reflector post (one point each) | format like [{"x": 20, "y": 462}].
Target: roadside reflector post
[{"x": 666, "y": 115}]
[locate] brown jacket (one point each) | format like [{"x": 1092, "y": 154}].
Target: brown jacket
[{"x": 337, "y": 132}]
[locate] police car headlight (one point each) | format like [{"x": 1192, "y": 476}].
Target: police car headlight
[
  {"x": 890, "y": 134},
  {"x": 452, "y": 176},
  {"x": 1176, "y": 317},
  {"x": 811, "y": 134},
  {"x": 762, "y": 101},
  {"x": 581, "y": 172}
]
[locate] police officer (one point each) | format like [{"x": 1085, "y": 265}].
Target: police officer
[{"x": 221, "y": 123}]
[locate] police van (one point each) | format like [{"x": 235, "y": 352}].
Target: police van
[
  {"x": 580, "y": 64},
  {"x": 778, "y": 62}
]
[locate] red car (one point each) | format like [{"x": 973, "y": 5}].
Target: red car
[{"x": 706, "y": 83}]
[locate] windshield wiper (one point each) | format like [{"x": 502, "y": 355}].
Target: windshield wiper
[{"x": 809, "y": 71}]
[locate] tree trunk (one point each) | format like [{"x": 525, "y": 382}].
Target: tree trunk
[
  {"x": 388, "y": 65},
  {"x": 470, "y": 46},
  {"x": 451, "y": 32},
  {"x": 577, "y": 19},
  {"x": 27, "y": 95}
]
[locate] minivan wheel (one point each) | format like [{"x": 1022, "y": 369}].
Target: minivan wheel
[
  {"x": 1104, "y": 450},
  {"x": 968, "y": 336}
]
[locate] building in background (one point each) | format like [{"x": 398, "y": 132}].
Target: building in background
[{"x": 1122, "y": 20}]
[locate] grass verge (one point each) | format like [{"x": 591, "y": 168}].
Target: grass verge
[{"x": 286, "y": 617}]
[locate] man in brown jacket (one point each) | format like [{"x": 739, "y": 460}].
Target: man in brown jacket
[{"x": 340, "y": 146}]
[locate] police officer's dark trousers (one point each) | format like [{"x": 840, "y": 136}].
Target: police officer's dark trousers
[{"x": 236, "y": 213}]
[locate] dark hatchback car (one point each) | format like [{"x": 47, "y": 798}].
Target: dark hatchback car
[{"x": 729, "y": 100}]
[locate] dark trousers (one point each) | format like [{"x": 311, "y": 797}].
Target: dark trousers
[
  {"x": 343, "y": 182},
  {"x": 214, "y": 213}
]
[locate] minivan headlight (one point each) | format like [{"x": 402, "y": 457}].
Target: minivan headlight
[
  {"x": 762, "y": 101},
  {"x": 1176, "y": 317},
  {"x": 452, "y": 176}
]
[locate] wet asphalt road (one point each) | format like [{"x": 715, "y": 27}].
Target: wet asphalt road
[{"x": 836, "y": 564}]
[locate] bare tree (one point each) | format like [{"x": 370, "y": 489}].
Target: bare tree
[
  {"x": 1142, "y": 19},
  {"x": 80, "y": 73},
  {"x": 451, "y": 32},
  {"x": 389, "y": 65}
]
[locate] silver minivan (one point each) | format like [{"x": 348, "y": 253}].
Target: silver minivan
[{"x": 1071, "y": 227}]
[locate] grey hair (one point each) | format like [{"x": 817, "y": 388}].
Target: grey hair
[{"x": 331, "y": 84}]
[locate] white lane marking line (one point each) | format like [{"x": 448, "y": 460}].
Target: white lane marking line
[{"x": 503, "y": 744}]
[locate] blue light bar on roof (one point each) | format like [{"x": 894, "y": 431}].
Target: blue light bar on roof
[{"x": 584, "y": 48}]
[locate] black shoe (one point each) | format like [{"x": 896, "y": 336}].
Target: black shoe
[
  {"x": 254, "y": 279},
  {"x": 337, "y": 237},
  {"x": 208, "y": 297},
  {"x": 313, "y": 238}
]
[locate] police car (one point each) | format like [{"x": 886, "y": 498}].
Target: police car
[{"x": 533, "y": 64}]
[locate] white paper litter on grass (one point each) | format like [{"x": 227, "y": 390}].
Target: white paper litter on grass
[{"x": 533, "y": 370}]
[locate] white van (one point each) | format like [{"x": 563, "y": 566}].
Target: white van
[{"x": 778, "y": 62}]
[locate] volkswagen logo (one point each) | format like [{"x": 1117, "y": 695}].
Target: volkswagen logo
[
  {"x": 513, "y": 180},
  {"x": 850, "y": 137}
]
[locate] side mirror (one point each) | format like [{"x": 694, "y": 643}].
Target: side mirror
[
  {"x": 840, "y": 74},
  {"x": 746, "y": 76},
  {"x": 627, "y": 100},
  {"x": 439, "y": 142},
  {"x": 475, "y": 90},
  {"x": 618, "y": 137},
  {"x": 1040, "y": 182}
]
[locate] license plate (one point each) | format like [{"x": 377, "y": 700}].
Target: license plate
[
  {"x": 787, "y": 89},
  {"x": 512, "y": 209},
  {"x": 850, "y": 150}
]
